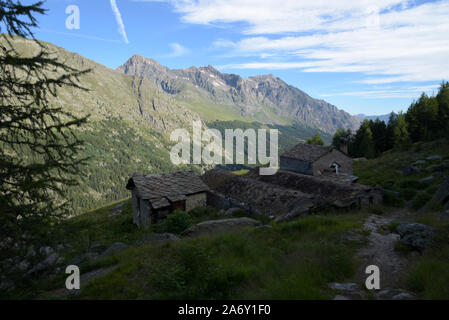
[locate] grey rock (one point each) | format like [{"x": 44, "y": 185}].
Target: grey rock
[
  {"x": 117, "y": 210},
  {"x": 23, "y": 266},
  {"x": 442, "y": 194},
  {"x": 349, "y": 286},
  {"x": 46, "y": 251},
  {"x": 409, "y": 170},
  {"x": 419, "y": 162},
  {"x": 427, "y": 179},
  {"x": 6, "y": 285},
  {"x": 97, "y": 248},
  {"x": 157, "y": 238},
  {"x": 388, "y": 294},
  {"x": 436, "y": 157},
  {"x": 51, "y": 259},
  {"x": 231, "y": 211},
  {"x": 266, "y": 226},
  {"x": 404, "y": 296},
  {"x": 214, "y": 226},
  {"x": 340, "y": 297},
  {"x": 89, "y": 256},
  {"x": 113, "y": 249},
  {"x": 444, "y": 216},
  {"x": 416, "y": 235}
]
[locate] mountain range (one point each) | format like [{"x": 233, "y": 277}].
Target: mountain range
[
  {"x": 133, "y": 110},
  {"x": 266, "y": 99}
]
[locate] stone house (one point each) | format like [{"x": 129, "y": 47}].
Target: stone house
[
  {"x": 154, "y": 196},
  {"x": 316, "y": 160}
]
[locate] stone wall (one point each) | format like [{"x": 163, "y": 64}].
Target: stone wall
[
  {"x": 334, "y": 156},
  {"x": 196, "y": 200}
]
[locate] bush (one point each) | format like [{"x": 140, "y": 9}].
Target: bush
[
  {"x": 393, "y": 200},
  {"x": 376, "y": 210},
  {"x": 420, "y": 200},
  {"x": 408, "y": 194},
  {"x": 176, "y": 222},
  {"x": 201, "y": 212}
]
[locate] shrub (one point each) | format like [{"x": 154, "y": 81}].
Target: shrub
[
  {"x": 435, "y": 206},
  {"x": 408, "y": 194},
  {"x": 393, "y": 226},
  {"x": 420, "y": 200},
  {"x": 176, "y": 222},
  {"x": 393, "y": 200},
  {"x": 201, "y": 212},
  {"x": 376, "y": 210}
]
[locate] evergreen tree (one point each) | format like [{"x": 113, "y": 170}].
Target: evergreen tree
[
  {"x": 421, "y": 118},
  {"x": 443, "y": 110},
  {"x": 38, "y": 149},
  {"x": 315, "y": 140},
  {"x": 364, "y": 142},
  {"x": 401, "y": 138},
  {"x": 379, "y": 131}
]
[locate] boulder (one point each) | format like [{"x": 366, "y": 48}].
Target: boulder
[
  {"x": 442, "y": 194},
  {"x": 427, "y": 179},
  {"x": 415, "y": 235},
  {"x": 214, "y": 226},
  {"x": 113, "y": 249},
  {"x": 404, "y": 296},
  {"x": 444, "y": 216},
  {"x": 157, "y": 238},
  {"x": 394, "y": 294},
  {"x": 350, "y": 291},
  {"x": 436, "y": 157},
  {"x": 409, "y": 170},
  {"x": 116, "y": 210},
  {"x": 419, "y": 162},
  {"x": 349, "y": 286},
  {"x": 231, "y": 211},
  {"x": 89, "y": 256}
]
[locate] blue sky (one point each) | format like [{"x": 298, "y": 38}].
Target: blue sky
[{"x": 365, "y": 56}]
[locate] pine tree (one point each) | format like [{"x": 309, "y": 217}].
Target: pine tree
[
  {"x": 315, "y": 140},
  {"x": 38, "y": 147},
  {"x": 443, "y": 109}
]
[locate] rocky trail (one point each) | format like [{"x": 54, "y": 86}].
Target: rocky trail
[{"x": 379, "y": 251}]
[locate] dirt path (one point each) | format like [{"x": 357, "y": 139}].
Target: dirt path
[
  {"x": 84, "y": 280},
  {"x": 380, "y": 251}
]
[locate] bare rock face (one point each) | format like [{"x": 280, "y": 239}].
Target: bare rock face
[
  {"x": 113, "y": 249},
  {"x": 251, "y": 95},
  {"x": 216, "y": 226},
  {"x": 157, "y": 238},
  {"x": 416, "y": 235},
  {"x": 409, "y": 170},
  {"x": 442, "y": 194}
]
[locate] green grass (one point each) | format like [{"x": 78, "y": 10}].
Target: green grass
[
  {"x": 293, "y": 260},
  {"x": 386, "y": 172},
  {"x": 429, "y": 276},
  {"x": 290, "y": 261}
]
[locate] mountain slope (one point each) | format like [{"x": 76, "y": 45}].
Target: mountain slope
[
  {"x": 131, "y": 118},
  {"x": 265, "y": 98},
  {"x": 127, "y": 131}
]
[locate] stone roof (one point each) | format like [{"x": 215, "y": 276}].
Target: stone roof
[
  {"x": 161, "y": 189},
  {"x": 307, "y": 152}
]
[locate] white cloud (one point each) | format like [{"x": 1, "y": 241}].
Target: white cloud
[
  {"x": 178, "y": 50},
  {"x": 388, "y": 92},
  {"x": 388, "y": 41},
  {"x": 118, "y": 18}
]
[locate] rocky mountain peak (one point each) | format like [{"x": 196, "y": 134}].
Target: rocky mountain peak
[{"x": 251, "y": 96}]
